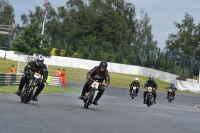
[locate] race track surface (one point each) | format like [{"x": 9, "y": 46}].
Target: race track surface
[{"x": 116, "y": 113}]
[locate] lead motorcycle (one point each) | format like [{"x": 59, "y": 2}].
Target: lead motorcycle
[
  {"x": 89, "y": 96},
  {"x": 28, "y": 91},
  {"x": 149, "y": 96}
]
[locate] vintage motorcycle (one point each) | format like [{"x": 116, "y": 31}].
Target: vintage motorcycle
[
  {"x": 170, "y": 96},
  {"x": 89, "y": 96},
  {"x": 149, "y": 96},
  {"x": 28, "y": 91},
  {"x": 133, "y": 92}
]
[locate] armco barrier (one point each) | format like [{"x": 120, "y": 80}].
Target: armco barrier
[{"x": 14, "y": 79}]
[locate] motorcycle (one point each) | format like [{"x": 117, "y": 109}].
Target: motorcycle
[
  {"x": 133, "y": 92},
  {"x": 149, "y": 96},
  {"x": 170, "y": 94},
  {"x": 28, "y": 91},
  {"x": 89, "y": 96}
]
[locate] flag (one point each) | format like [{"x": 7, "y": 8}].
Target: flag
[
  {"x": 45, "y": 3},
  {"x": 46, "y": 8}
]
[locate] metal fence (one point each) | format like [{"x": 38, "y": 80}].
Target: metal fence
[{"x": 172, "y": 62}]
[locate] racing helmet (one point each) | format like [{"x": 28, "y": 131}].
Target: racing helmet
[
  {"x": 103, "y": 64},
  {"x": 39, "y": 60},
  {"x": 136, "y": 79},
  {"x": 150, "y": 77}
]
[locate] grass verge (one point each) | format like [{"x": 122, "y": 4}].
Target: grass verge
[
  {"x": 46, "y": 90},
  {"x": 78, "y": 76}
]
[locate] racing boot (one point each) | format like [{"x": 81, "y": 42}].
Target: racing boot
[
  {"x": 34, "y": 98},
  {"x": 19, "y": 92},
  {"x": 81, "y": 97},
  {"x": 95, "y": 100}
]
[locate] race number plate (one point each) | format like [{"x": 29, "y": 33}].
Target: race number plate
[{"x": 95, "y": 85}]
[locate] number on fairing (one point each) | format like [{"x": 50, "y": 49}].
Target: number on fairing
[{"x": 95, "y": 85}]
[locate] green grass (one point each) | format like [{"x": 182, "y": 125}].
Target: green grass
[
  {"x": 46, "y": 90},
  {"x": 198, "y": 107},
  {"x": 78, "y": 76}
]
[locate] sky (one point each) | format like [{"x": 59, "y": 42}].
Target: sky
[{"x": 163, "y": 13}]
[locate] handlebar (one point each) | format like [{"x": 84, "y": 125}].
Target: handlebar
[{"x": 95, "y": 81}]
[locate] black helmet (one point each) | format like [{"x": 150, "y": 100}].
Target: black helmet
[
  {"x": 103, "y": 64},
  {"x": 150, "y": 77}
]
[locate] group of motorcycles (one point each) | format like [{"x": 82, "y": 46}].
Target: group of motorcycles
[
  {"x": 149, "y": 100},
  {"x": 28, "y": 92}
]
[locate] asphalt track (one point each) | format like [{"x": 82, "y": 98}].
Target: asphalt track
[{"x": 116, "y": 113}]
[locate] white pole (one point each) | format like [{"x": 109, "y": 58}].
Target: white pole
[
  {"x": 199, "y": 75},
  {"x": 43, "y": 25}
]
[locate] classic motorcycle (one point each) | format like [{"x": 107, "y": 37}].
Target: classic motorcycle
[
  {"x": 133, "y": 92},
  {"x": 149, "y": 96},
  {"x": 28, "y": 91},
  {"x": 89, "y": 96},
  {"x": 170, "y": 96}
]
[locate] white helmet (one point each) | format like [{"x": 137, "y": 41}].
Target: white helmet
[
  {"x": 39, "y": 60},
  {"x": 136, "y": 79}
]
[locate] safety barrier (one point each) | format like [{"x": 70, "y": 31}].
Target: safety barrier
[
  {"x": 10, "y": 79},
  {"x": 14, "y": 79}
]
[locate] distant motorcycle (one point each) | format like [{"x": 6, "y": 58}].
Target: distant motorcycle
[
  {"x": 170, "y": 96},
  {"x": 133, "y": 92},
  {"x": 149, "y": 96},
  {"x": 28, "y": 91},
  {"x": 89, "y": 96}
]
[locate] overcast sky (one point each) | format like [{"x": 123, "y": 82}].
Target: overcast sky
[{"x": 162, "y": 13}]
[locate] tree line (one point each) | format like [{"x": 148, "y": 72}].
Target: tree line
[{"x": 107, "y": 30}]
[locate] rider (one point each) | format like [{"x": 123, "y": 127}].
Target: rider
[
  {"x": 153, "y": 84},
  {"x": 99, "y": 73},
  {"x": 29, "y": 70},
  {"x": 135, "y": 83},
  {"x": 173, "y": 87}
]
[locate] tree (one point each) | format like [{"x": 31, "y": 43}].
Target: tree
[
  {"x": 29, "y": 42},
  {"x": 6, "y": 24}
]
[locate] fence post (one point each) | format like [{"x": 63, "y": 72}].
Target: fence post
[
  {"x": 158, "y": 60},
  {"x": 183, "y": 64},
  {"x": 191, "y": 72},
  {"x": 166, "y": 61},
  {"x": 173, "y": 62}
]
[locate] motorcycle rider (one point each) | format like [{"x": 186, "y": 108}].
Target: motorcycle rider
[
  {"x": 29, "y": 70},
  {"x": 99, "y": 73},
  {"x": 153, "y": 84},
  {"x": 173, "y": 87},
  {"x": 135, "y": 83}
]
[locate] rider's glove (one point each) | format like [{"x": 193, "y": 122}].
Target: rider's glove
[
  {"x": 44, "y": 80},
  {"x": 88, "y": 77},
  {"x": 105, "y": 85}
]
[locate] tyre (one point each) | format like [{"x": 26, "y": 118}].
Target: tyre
[
  {"x": 28, "y": 97},
  {"x": 168, "y": 98},
  {"x": 132, "y": 95},
  {"x": 148, "y": 101},
  {"x": 23, "y": 96},
  {"x": 89, "y": 102}
]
